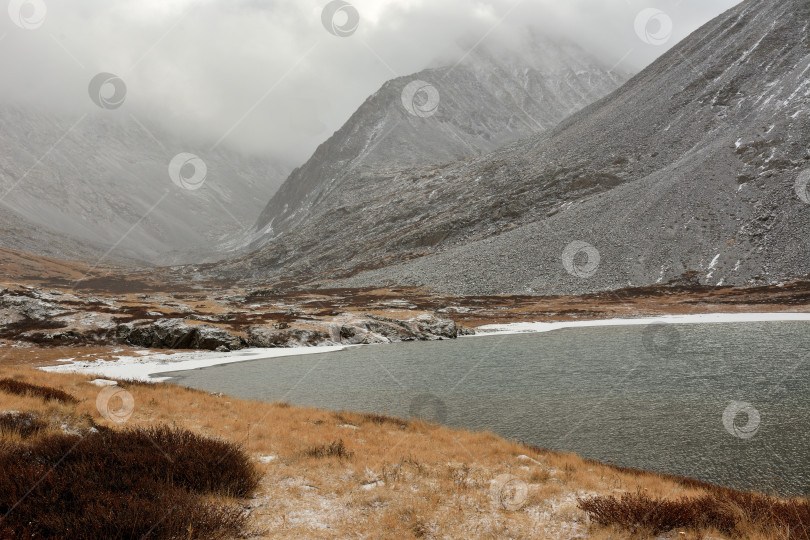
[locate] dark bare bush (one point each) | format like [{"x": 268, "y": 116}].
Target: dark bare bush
[
  {"x": 134, "y": 383},
  {"x": 203, "y": 464},
  {"x": 731, "y": 512},
  {"x": 334, "y": 449},
  {"x": 24, "y": 424},
  {"x": 19, "y": 388},
  {"x": 123, "y": 484},
  {"x": 381, "y": 419},
  {"x": 16, "y": 330},
  {"x": 640, "y": 513}
]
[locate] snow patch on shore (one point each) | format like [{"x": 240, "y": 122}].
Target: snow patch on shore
[
  {"x": 143, "y": 366},
  {"x": 703, "y": 318},
  {"x": 148, "y": 363}
]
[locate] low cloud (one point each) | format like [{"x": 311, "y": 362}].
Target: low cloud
[{"x": 266, "y": 77}]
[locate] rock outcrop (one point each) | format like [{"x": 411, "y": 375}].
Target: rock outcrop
[
  {"x": 165, "y": 322},
  {"x": 29, "y": 306},
  {"x": 350, "y": 330},
  {"x": 270, "y": 337},
  {"x": 178, "y": 334}
]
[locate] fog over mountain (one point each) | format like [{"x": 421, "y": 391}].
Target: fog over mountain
[
  {"x": 495, "y": 95},
  {"x": 265, "y": 77},
  {"x": 104, "y": 181},
  {"x": 697, "y": 166},
  {"x": 107, "y": 95}
]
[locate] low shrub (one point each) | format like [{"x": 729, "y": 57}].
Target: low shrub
[
  {"x": 123, "y": 484},
  {"x": 334, "y": 449},
  {"x": 25, "y": 424},
  {"x": 134, "y": 383},
  {"x": 731, "y": 512},
  {"x": 381, "y": 419},
  {"x": 19, "y": 388}
]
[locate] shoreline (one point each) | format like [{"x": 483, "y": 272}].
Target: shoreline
[
  {"x": 698, "y": 318},
  {"x": 331, "y": 474},
  {"x": 149, "y": 362},
  {"x": 143, "y": 367}
]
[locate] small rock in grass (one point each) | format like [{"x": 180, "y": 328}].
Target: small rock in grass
[{"x": 103, "y": 382}]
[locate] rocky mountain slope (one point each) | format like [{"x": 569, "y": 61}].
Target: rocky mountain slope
[
  {"x": 698, "y": 164},
  {"x": 18, "y": 233},
  {"x": 91, "y": 178},
  {"x": 494, "y": 96}
]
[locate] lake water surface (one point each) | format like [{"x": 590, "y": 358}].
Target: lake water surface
[{"x": 728, "y": 403}]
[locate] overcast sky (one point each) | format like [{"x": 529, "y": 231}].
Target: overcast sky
[{"x": 267, "y": 76}]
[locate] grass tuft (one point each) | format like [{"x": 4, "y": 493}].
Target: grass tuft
[{"x": 334, "y": 449}]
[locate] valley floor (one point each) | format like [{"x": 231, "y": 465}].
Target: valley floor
[
  {"x": 61, "y": 305},
  {"x": 336, "y": 475},
  {"x": 340, "y": 475}
]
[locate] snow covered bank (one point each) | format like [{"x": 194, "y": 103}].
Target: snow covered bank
[
  {"x": 703, "y": 318},
  {"x": 144, "y": 365}
]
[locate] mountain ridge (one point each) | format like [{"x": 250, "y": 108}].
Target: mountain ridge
[
  {"x": 92, "y": 177},
  {"x": 670, "y": 126},
  {"x": 490, "y": 99},
  {"x": 754, "y": 157}
]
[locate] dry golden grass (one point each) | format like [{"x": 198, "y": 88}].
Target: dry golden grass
[
  {"x": 392, "y": 479},
  {"x": 21, "y": 354}
]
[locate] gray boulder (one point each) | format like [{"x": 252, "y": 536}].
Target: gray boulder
[
  {"x": 18, "y": 306},
  {"x": 270, "y": 337},
  {"x": 178, "y": 334},
  {"x": 376, "y": 329},
  {"x": 432, "y": 327},
  {"x": 349, "y": 330}
]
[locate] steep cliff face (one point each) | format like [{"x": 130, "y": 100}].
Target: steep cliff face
[
  {"x": 494, "y": 96},
  {"x": 93, "y": 178}
]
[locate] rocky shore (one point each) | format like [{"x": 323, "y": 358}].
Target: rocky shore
[
  {"x": 55, "y": 317},
  {"x": 208, "y": 317}
]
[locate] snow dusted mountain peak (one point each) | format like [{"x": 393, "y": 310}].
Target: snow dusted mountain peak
[
  {"x": 488, "y": 97},
  {"x": 694, "y": 169}
]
